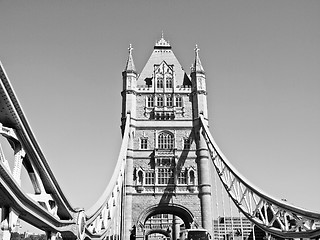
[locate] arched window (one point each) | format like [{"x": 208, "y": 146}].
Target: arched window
[
  {"x": 191, "y": 177},
  {"x": 140, "y": 177},
  {"x": 165, "y": 140},
  {"x": 168, "y": 82},
  {"x": 160, "y": 82}
]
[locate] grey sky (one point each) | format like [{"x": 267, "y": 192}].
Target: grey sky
[{"x": 262, "y": 63}]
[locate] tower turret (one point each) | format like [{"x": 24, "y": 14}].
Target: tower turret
[
  {"x": 129, "y": 76},
  {"x": 199, "y": 97},
  {"x": 198, "y": 79}
]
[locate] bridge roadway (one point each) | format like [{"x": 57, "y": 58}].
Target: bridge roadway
[{"x": 48, "y": 209}]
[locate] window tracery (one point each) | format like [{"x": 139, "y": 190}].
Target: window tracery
[
  {"x": 182, "y": 177},
  {"x": 169, "y": 82},
  {"x": 149, "y": 177},
  {"x": 178, "y": 101},
  {"x": 160, "y": 101},
  {"x": 165, "y": 176},
  {"x": 165, "y": 140},
  {"x": 160, "y": 82},
  {"x": 143, "y": 143},
  {"x": 150, "y": 101},
  {"x": 169, "y": 101}
]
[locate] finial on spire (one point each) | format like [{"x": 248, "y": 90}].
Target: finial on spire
[
  {"x": 130, "y": 48},
  {"x": 197, "y": 66},
  {"x": 162, "y": 34},
  {"x": 196, "y": 49},
  {"x": 130, "y": 64}
]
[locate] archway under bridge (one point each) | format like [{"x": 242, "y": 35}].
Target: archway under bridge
[{"x": 177, "y": 211}]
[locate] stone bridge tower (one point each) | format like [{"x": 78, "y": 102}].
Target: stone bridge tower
[{"x": 167, "y": 169}]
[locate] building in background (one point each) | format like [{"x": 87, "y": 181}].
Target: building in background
[{"x": 232, "y": 228}]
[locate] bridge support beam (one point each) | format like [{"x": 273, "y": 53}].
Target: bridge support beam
[
  {"x": 175, "y": 228},
  {"x": 9, "y": 219},
  {"x": 204, "y": 183}
]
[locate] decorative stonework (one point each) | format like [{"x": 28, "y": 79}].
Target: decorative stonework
[{"x": 165, "y": 106}]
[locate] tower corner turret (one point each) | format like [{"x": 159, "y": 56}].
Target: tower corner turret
[
  {"x": 199, "y": 91},
  {"x": 129, "y": 76}
]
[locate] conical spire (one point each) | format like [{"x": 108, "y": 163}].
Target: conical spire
[
  {"x": 197, "y": 67},
  {"x": 130, "y": 64}
]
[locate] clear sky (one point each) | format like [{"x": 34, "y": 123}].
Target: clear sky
[{"x": 262, "y": 63}]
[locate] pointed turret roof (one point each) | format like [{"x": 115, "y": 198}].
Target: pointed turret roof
[
  {"x": 130, "y": 64},
  {"x": 162, "y": 52},
  {"x": 197, "y": 67}
]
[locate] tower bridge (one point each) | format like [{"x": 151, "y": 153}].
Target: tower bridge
[{"x": 170, "y": 174}]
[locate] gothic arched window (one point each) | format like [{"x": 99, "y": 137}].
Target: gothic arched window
[
  {"x": 165, "y": 140},
  {"x": 168, "y": 82},
  {"x": 140, "y": 177},
  {"x": 191, "y": 177},
  {"x": 159, "y": 82}
]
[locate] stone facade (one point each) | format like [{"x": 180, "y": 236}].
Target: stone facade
[{"x": 167, "y": 164}]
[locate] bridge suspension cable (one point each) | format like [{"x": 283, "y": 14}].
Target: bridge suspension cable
[
  {"x": 231, "y": 213},
  {"x": 273, "y": 216},
  {"x": 104, "y": 218}
]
